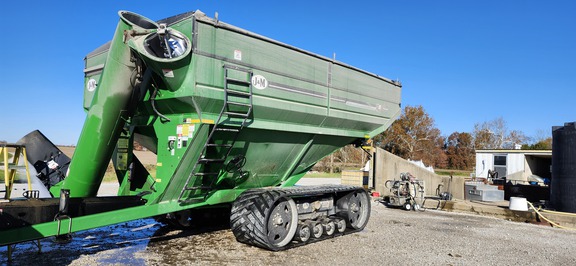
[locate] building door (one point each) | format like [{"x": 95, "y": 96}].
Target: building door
[{"x": 500, "y": 164}]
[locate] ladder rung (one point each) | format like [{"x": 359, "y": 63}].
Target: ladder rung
[
  {"x": 219, "y": 145},
  {"x": 239, "y": 104},
  {"x": 228, "y": 129},
  {"x": 238, "y": 81},
  {"x": 234, "y": 114},
  {"x": 239, "y": 93}
]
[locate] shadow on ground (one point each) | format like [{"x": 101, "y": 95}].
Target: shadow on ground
[{"x": 114, "y": 244}]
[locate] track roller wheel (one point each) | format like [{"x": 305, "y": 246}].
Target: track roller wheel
[
  {"x": 303, "y": 233},
  {"x": 329, "y": 227},
  {"x": 340, "y": 225},
  {"x": 317, "y": 229}
]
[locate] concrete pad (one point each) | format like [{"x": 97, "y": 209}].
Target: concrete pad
[{"x": 500, "y": 210}]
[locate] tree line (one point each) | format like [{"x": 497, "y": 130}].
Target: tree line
[{"x": 414, "y": 136}]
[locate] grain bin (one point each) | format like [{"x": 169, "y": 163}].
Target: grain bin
[{"x": 563, "y": 184}]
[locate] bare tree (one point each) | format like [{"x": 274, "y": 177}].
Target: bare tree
[
  {"x": 542, "y": 141},
  {"x": 347, "y": 157},
  {"x": 515, "y": 137},
  {"x": 542, "y": 135},
  {"x": 494, "y": 134}
]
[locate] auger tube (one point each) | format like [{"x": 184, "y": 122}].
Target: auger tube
[{"x": 106, "y": 115}]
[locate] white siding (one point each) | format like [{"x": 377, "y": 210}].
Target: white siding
[
  {"x": 484, "y": 162},
  {"x": 514, "y": 163},
  {"x": 519, "y": 164}
]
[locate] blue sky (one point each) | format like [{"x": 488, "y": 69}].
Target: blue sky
[{"x": 465, "y": 62}]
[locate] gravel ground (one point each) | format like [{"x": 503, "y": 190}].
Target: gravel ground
[{"x": 392, "y": 236}]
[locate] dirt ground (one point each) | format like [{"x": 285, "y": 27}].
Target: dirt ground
[{"x": 392, "y": 236}]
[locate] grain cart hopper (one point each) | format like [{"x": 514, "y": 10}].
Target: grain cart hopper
[{"x": 235, "y": 118}]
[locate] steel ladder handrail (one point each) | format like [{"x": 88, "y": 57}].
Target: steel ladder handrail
[{"x": 219, "y": 125}]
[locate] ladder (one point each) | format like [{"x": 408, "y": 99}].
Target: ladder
[
  {"x": 234, "y": 116},
  {"x": 11, "y": 167}
]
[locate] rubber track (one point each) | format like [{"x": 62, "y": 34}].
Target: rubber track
[{"x": 250, "y": 210}]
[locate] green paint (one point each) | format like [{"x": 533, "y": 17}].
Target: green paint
[{"x": 305, "y": 106}]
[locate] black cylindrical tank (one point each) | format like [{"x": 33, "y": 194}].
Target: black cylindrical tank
[{"x": 563, "y": 183}]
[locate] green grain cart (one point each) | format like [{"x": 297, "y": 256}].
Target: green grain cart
[{"x": 235, "y": 119}]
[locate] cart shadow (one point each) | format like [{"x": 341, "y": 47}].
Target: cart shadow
[{"x": 115, "y": 244}]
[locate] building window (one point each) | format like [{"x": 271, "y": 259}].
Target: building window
[{"x": 500, "y": 160}]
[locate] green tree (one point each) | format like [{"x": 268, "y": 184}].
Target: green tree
[
  {"x": 545, "y": 144},
  {"x": 543, "y": 141}
]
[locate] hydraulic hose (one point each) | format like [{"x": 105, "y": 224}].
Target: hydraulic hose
[
  {"x": 163, "y": 118},
  {"x": 548, "y": 220},
  {"x": 555, "y": 212}
]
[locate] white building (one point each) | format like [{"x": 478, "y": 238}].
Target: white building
[{"x": 518, "y": 166}]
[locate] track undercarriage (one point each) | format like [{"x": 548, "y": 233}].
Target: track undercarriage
[{"x": 282, "y": 218}]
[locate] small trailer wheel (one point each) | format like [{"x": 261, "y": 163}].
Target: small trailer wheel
[{"x": 407, "y": 206}]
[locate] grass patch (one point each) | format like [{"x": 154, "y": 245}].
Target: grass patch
[
  {"x": 110, "y": 175},
  {"x": 447, "y": 172}
]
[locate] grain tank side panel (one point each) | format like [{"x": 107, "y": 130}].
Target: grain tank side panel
[
  {"x": 303, "y": 89},
  {"x": 296, "y": 92},
  {"x": 93, "y": 65},
  {"x": 362, "y": 102}
]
